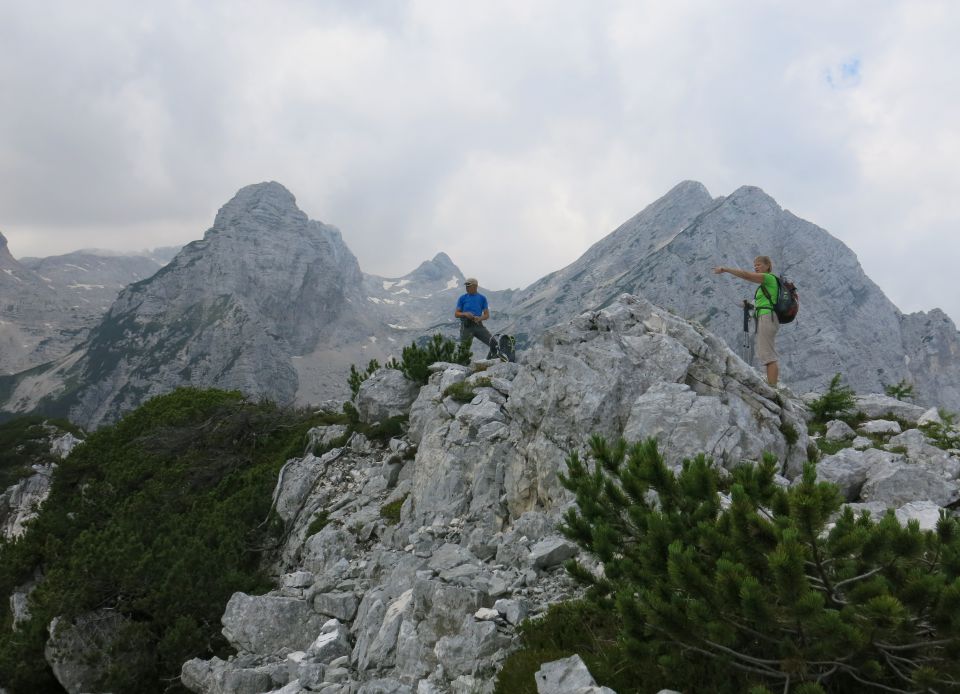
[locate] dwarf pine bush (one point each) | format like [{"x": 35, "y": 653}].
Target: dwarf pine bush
[
  {"x": 773, "y": 591},
  {"x": 416, "y": 360}
]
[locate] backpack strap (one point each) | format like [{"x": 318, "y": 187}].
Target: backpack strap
[{"x": 773, "y": 304}]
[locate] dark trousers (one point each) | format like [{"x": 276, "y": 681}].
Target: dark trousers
[{"x": 470, "y": 330}]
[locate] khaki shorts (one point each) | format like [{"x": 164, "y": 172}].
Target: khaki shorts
[{"x": 767, "y": 327}]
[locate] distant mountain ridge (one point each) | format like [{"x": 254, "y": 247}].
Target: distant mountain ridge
[
  {"x": 846, "y": 323},
  {"x": 275, "y": 305}
]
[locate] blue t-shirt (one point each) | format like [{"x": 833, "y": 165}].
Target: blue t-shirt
[{"x": 474, "y": 303}]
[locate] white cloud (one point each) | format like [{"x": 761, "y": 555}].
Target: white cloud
[{"x": 510, "y": 135}]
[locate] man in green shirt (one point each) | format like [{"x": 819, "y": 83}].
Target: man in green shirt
[{"x": 767, "y": 323}]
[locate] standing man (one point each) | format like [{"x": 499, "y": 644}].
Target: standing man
[
  {"x": 766, "y": 320},
  {"x": 472, "y": 310}
]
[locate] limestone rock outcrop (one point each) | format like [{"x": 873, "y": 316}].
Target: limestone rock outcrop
[
  {"x": 846, "y": 324},
  {"x": 430, "y": 602}
]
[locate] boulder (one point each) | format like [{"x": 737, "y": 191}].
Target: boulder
[
  {"x": 270, "y": 625},
  {"x": 876, "y": 406},
  {"x": 926, "y": 513},
  {"x": 838, "y": 430},
  {"x": 567, "y": 676},
  {"x": 216, "y": 676},
  {"x": 80, "y": 651},
  {"x": 879, "y": 426},
  {"x": 387, "y": 393},
  {"x": 848, "y": 470},
  {"x": 342, "y": 606},
  {"x": 896, "y": 485},
  {"x": 551, "y": 552},
  {"x": 332, "y": 643}
]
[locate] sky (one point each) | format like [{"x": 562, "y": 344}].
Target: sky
[{"x": 509, "y": 134}]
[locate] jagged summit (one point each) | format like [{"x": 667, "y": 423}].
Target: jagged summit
[
  {"x": 268, "y": 203},
  {"x": 440, "y": 267},
  {"x": 5, "y": 257}
]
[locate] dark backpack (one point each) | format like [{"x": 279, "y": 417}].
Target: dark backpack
[
  {"x": 502, "y": 348},
  {"x": 788, "y": 300}
]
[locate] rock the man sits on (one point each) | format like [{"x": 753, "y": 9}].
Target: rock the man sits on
[{"x": 472, "y": 310}]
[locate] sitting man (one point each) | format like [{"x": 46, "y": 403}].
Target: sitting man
[{"x": 472, "y": 310}]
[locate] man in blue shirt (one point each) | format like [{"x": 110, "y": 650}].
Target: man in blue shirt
[{"x": 472, "y": 310}]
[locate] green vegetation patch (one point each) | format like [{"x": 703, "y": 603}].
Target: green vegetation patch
[
  {"x": 759, "y": 595},
  {"x": 588, "y": 628},
  {"x": 391, "y": 512},
  {"x": 838, "y": 402},
  {"x": 161, "y": 517},
  {"x": 416, "y": 359},
  {"x": 26, "y": 441}
]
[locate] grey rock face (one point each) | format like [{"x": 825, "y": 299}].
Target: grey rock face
[
  {"x": 264, "y": 624},
  {"x": 839, "y": 431},
  {"x": 877, "y": 406},
  {"x": 229, "y": 311},
  {"x": 21, "y": 502},
  {"x": 275, "y": 305},
  {"x": 666, "y": 254},
  {"x": 387, "y": 393},
  {"x": 567, "y": 676},
  {"x": 79, "y": 652},
  {"x": 477, "y": 547},
  {"x": 48, "y": 305}
]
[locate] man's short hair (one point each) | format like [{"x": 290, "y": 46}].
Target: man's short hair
[{"x": 471, "y": 281}]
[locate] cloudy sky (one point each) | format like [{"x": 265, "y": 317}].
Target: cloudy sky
[{"x": 511, "y": 134}]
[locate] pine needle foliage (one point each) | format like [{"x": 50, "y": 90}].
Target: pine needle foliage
[
  {"x": 357, "y": 377},
  {"x": 838, "y": 402},
  {"x": 761, "y": 591},
  {"x": 902, "y": 390},
  {"x": 160, "y": 518},
  {"x": 416, "y": 360}
]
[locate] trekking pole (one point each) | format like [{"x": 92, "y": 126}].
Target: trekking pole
[{"x": 745, "y": 341}]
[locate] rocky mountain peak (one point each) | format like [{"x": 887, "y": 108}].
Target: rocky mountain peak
[
  {"x": 687, "y": 189},
  {"x": 440, "y": 267},
  {"x": 5, "y": 257},
  {"x": 268, "y": 203},
  {"x": 753, "y": 197}
]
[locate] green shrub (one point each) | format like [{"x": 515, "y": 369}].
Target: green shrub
[
  {"x": 836, "y": 403},
  {"x": 391, "y": 512},
  {"x": 900, "y": 391},
  {"x": 584, "y": 627},
  {"x": 416, "y": 360},
  {"x": 357, "y": 377},
  {"x": 941, "y": 435},
  {"x": 789, "y": 433},
  {"x": 161, "y": 517},
  {"x": 25, "y": 441},
  {"x": 761, "y": 594},
  {"x": 385, "y": 430},
  {"x": 319, "y": 521}
]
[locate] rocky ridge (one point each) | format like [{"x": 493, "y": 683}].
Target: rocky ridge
[
  {"x": 274, "y": 304},
  {"x": 407, "y": 566},
  {"x": 48, "y": 305},
  {"x": 846, "y": 323},
  {"x": 430, "y": 603}
]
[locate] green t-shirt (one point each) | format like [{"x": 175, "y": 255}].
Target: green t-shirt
[{"x": 760, "y": 299}]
